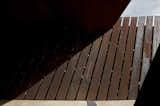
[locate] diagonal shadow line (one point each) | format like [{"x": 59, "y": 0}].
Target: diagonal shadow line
[
  {"x": 24, "y": 57},
  {"x": 26, "y": 40}
]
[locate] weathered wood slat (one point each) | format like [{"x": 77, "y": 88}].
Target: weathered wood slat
[
  {"x": 108, "y": 69},
  {"x": 147, "y": 50},
  {"x": 67, "y": 78},
  {"x": 74, "y": 86},
  {"x": 124, "y": 84},
  {"x": 31, "y": 92},
  {"x": 102, "y": 56},
  {"x": 82, "y": 93},
  {"x": 52, "y": 92},
  {"x": 107, "y": 72},
  {"x": 113, "y": 90},
  {"x": 95, "y": 83},
  {"x": 156, "y": 35},
  {"x": 45, "y": 83},
  {"x": 135, "y": 74}
]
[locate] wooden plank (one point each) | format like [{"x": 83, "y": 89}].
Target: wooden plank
[
  {"x": 156, "y": 35},
  {"x": 147, "y": 50},
  {"x": 32, "y": 91},
  {"x": 135, "y": 74},
  {"x": 74, "y": 86},
  {"x": 106, "y": 76},
  {"x": 66, "y": 103},
  {"x": 68, "y": 77},
  {"x": 82, "y": 93},
  {"x": 116, "y": 75},
  {"x": 45, "y": 83},
  {"x": 55, "y": 83},
  {"x": 100, "y": 59},
  {"x": 124, "y": 84},
  {"x": 102, "y": 55},
  {"x": 96, "y": 79}
]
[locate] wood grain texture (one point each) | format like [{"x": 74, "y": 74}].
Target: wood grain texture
[
  {"x": 86, "y": 77},
  {"x": 119, "y": 57},
  {"x": 137, "y": 59},
  {"x": 147, "y": 50},
  {"x": 102, "y": 56},
  {"x": 126, "y": 70},
  {"x": 96, "y": 79},
  {"x": 32, "y": 92},
  {"x": 74, "y": 86},
  {"x": 156, "y": 35},
  {"x": 44, "y": 87},
  {"x": 56, "y": 81},
  {"x": 67, "y": 78}
]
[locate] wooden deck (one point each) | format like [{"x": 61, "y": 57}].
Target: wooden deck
[{"x": 113, "y": 67}]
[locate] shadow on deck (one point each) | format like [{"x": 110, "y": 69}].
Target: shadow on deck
[{"x": 111, "y": 67}]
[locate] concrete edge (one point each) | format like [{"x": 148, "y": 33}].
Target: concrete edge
[{"x": 66, "y": 103}]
